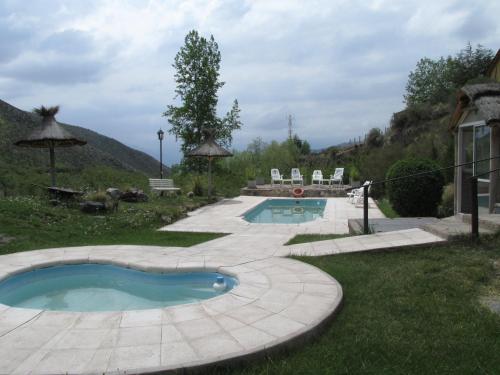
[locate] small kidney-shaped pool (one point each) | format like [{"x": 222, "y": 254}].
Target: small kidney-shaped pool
[{"x": 100, "y": 287}]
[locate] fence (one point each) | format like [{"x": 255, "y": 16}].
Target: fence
[{"x": 474, "y": 200}]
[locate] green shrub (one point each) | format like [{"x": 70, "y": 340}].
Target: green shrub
[
  {"x": 446, "y": 208},
  {"x": 415, "y": 196},
  {"x": 197, "y": 187},
  {"x": 99, "y": 196}
]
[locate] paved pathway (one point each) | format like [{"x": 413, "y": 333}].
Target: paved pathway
[
  {"x": 263, "y": 240},
  {"x": 277, "y": 300}
]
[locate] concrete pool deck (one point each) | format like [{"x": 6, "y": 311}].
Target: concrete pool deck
[{"x": 278, "y": 302}]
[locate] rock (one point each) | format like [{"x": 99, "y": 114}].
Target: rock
[
  {"x": 4, "y": 239},
  {"x": 134, "y": 195},
  {"x": 166, "y": 219},
  {"x": 114, "y": 193},
  {"x": 92, "y": 206}
]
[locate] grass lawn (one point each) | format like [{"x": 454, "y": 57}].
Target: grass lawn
[
  {"x": 35, "y": 224},
  {"x": 385, "y": 206},
  {"x": 415, "y": 311},
  {"x": 302, "y": 238},
  {"x": 409, "y": 312}
]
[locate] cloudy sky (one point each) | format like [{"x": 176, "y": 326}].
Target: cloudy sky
[{"x": 338, "y": 66}]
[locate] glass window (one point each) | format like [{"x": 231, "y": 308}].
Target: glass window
[{"x": 482, "y": 146}]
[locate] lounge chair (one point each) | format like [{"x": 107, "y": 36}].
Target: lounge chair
[
  {"x": 276, "y": 177},
  {"x": 317, "y": 176},
  {"x": 337, "y": 177},
  {"x": 354, "y": 194},
  {"x": 297, "y": 177},
  {"x": 359, "y": 199}
]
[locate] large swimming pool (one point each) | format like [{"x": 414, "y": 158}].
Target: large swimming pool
[
  {"x": 100, "y": 287},
  {"x": 286, "y": 211}
]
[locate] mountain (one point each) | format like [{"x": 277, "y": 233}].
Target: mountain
[{"x": 100, "y": 150}]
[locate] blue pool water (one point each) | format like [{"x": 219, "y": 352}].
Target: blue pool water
[
  {"x": 286, "y": 211},
  {"x": 99, "y": 287}
]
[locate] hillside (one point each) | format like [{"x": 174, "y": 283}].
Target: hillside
[{"x": 99, "y": 152}]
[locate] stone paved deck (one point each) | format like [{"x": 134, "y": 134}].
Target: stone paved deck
[{"x": 277, "y": 300}]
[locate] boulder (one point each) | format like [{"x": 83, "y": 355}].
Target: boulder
[
  {"x": 134, "y": 195},
  {"x": 114, "y": 193},
  {"x": 92, "y": 206}
]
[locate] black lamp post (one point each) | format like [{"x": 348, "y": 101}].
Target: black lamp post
[{"x": 160, "y": 137}]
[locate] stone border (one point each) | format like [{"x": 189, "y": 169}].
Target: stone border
[
  {"x": 325, "y": 216},
  {"x": 277, "y": 303}
]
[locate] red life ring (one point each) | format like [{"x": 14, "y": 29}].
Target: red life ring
[{"x": 298, "y": 192}]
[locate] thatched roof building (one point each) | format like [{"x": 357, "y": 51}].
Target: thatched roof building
[{"x": 483, "y": 97}]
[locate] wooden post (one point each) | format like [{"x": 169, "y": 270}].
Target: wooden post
[
  {"x": 474, "y": 208},
  {"x": 366, "y": 229},
  {"x": 52, "y": 167},
  {"x": 494, "y": 163},
  {"x": 209, "y": 177}
]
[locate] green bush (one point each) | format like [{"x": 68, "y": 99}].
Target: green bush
[
  {"x": 198, "y": 187},
  {"x": 415, "y": 196}
]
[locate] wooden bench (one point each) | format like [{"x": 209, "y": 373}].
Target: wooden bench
[{"x": 161, "y": 185}]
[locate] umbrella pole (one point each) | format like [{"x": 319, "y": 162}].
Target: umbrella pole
[
  {"x": 209, "y": 177},
  {"x": 52, "y": 166}
]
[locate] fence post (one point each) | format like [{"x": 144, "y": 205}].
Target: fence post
[
  {"x": 366, "y": 229},
  {"x": 474, "y": 208}
]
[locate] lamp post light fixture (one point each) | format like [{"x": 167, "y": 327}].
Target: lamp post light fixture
[{"x": 160, "y": 137}]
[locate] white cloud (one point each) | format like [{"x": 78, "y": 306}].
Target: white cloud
[{"x": 339, "y": 67}]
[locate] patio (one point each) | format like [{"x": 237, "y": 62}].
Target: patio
[{"x": 280, "y": 302}]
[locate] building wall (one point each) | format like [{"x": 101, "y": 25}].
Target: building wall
[{"x": 495, "y": 71}]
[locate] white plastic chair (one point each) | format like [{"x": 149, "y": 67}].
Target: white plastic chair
[
  {"x": 337, "y": 176},
  {"x": 353, "y": 195},
  {"x": 359, "y": 199},
  {"x": 276, "y": 176},
  {"x": 317, "y": 176},
  {"x": 297, "y": 177}
]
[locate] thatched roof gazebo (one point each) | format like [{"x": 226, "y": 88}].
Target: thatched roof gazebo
[
  {"x": 50, "y": 135},
  {"x": 209, "y": 149}
]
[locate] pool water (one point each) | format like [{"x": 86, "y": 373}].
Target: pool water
[
  {"x": 286, "y": 211},
  {"x": 100, "y": 287}
]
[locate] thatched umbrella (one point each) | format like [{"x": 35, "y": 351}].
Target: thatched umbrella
[
  {"x": 210, "y": 149},
  {"x": 50, "y": 135}
]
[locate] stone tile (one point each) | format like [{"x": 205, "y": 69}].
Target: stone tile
[
  {"x": 65, "y": 361},
  {"x": 215, "y": 346},
  {"x": 141, "y": 318},
  {"x": 226, "y": 302},
  {"x": 250, "y": 337},
  {"x": 99, "y": 362},
  {"x": 127, "y": 359},
  {"x": 83, "y": 339},
  {"x": 14, "y": 317},
  {"x": 26, "y": 337},
  {"x": 227, "y": 323},
  {"x": 96, "y": 320},
  {"x": 248, "y": 313},
  {"x": 8, "y": 363},
  {"x": 177, "y": 353},
  {"x": 170, "y": 332},
  {"x": 138, "y": 336},
  {"x": 188, "y": 312},
  {"x": 193, "y": 329},
  {"x": 278, "y": 325}
]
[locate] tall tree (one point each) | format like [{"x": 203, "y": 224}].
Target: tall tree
[
  {"x": 197, "y": 67},
  {"x": 433, "y": 81}
]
